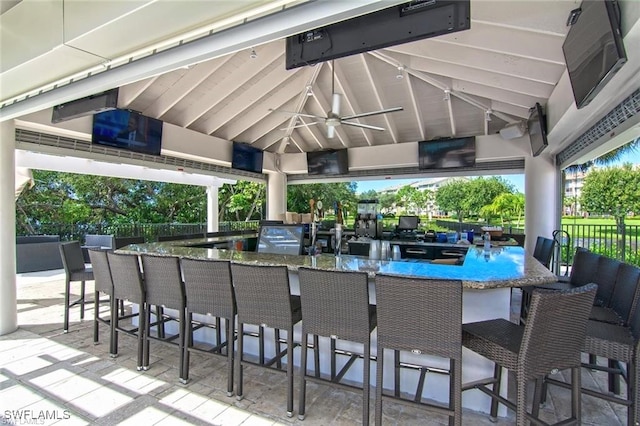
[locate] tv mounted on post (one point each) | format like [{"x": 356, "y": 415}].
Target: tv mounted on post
[
  {"x": 246, "y": 157},
  {"x": 331, "y": 162},
  {"x": 593, "y": 49},
  {"x": 130, "y": 130},
  {"x": 537, "y": 130},
  {"x": 447, "y": 153}
]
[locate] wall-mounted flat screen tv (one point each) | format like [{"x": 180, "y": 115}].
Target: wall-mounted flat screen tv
[
  {"x": 447, "y": 153},
  {"x": 593, "y": 48},
  {"x": 281, "y": 239},
  {"x": 128, "y": 130},
  {"x": 537, "y": 130},
  {"x": 246, "y": 157},
  {"x": 331, "y": 162}
]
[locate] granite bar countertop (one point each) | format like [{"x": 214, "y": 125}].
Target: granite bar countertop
[{"x": 500, "y": 267}]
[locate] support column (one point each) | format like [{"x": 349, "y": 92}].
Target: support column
[
  {"x": 8, "y": 295},
  {"x": 212, "y": 209},
  {"x": 542, "y": 208},
  {"x": 276, "y": 195}
]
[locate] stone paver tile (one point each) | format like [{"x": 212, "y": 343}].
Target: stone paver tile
[
  {"x": 147, "y": 416},
  {"x": 232, "y": 416},
  {"x": 17, "y": 397},
  {"x": 55, "y": 376},
  {"x": 101, "y": 402},
  {"x": 72, "y": 388}
]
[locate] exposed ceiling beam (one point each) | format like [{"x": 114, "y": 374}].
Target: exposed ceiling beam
[
  {"x": 303, "y": 97},
  {"x": 508, "y": 41},
  {"x": 226, "y": 87},
  {"x": 189, "y": 81},
  {"x": 127, "y": 94},
  {"x": 526, "y": 68},
  {"x": 529, "y": 16},
  {"x": 256, "y": 112},
  {"x": 351, "y": 100},
  {"x": 253, "y": 94},
  {"x": 501, "y": 95},
  {"x": 390, "y": 126},
  {"x": 416, "y": 107},
  {"x": 452, "y": 119},
  {"x": 270, "y": 123}
]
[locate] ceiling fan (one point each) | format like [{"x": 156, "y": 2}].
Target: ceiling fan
[{"x": 333, "y": 117}]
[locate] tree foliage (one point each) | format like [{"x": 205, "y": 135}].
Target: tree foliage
[
  {"x": 452, "y": 197},
  {"x": 482, "y": 191},
  {"x": 298, "y": 196},
  {"x": 612, "y": 190},
  {"x": 505, "y": 206},
  {"x": 66, "y": 198}
]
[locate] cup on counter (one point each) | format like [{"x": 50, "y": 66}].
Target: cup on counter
[
  {"x": 374, "y": 250},
  {"x": 395, "y": 252},
  {"x": 385, "y": 250}
]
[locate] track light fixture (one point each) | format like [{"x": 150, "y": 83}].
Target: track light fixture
[
  {"x": 446, "y": 95},
  {"x": 400, "y": 74},
  {"x": 309, "y": 91},
  {"x": 253, "y": 54},
  {"x": 487, "y": 115}
]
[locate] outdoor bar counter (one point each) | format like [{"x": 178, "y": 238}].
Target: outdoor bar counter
[{"x": 487, "y": 278}]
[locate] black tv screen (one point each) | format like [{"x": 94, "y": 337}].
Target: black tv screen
[
  {"x": 332, "y": 162},
  {"x": 128, "y": 130},
  {"x": 447, "y": 153},
  {"x": 537, "y": 131},
  {"x": 246, "y": 157},
  {"x": 281, "y": 239},
  {"x": 593, "y": 48},
  {"x": 407, "y": 223}
]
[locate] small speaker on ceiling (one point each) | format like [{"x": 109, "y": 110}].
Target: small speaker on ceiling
[{"x": 513, "y": 131}]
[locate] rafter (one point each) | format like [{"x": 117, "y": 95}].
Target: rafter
[
  {"x": 390, "y": 126},
  {"x": 351, "y": 100},
  {"x": 130, "y": 92},
  {"x": 416, "y": 107},
  {"x": 190, "y": 81},
  {"x": 229, "y": 84},
  {"x": 234, "y": 108},
  {"x": 303, "y": 98}
]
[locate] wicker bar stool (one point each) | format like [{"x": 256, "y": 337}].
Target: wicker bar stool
[
  {"x": 164, "y": 290},
  {"x": 551, "y": 340},
  {"x": 430, "y": 324},
  {"x": 263, "y": 297},
  {"x": 75, "y": 270},
  {"x": 128, "y": 285},
  {"x": 209, "y": 292},
  {"x": 104, "y": 285},
  {"x": 336, "y": 304}
]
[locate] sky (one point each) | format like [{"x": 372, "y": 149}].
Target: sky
[{"x": 516, "y": 180}]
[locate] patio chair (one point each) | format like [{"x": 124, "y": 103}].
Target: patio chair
[
  {"x": 430, "y": 324},
  {"x": 209, "y": 292},
  {"x": 552, "y": 339},
  {"x": 335, "y": 304},
  {"x": 263, "y": 298},
  {"x": 75, "y": 270}
]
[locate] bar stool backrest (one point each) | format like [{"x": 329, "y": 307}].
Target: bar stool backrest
[
  {"x": 101, "y": 271},
  {"x": 72, "y": 258},
  {"x": 555, "y": 330},
  {"x": 584, "y": 267},
  {"x": 127, "y": 279},
  {"x": 420, "y": 315},
  {"x": 335, "y": 303},
  {"x": 208, "y": 287},
  {"x": 625, "y": 292},
  {"x": 543, "y": 251},
  {"x": 606, "y": 279},
  {"x": 263, "y": 295},
  {"x": 163, "y": 281}
]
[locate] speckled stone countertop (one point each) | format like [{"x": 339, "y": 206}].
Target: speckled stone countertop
[{"x": 501, "y": 267}]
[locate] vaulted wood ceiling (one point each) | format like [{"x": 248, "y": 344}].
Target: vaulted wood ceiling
[{"x": 472, "y": 82}]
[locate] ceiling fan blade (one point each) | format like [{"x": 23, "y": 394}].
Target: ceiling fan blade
[
  {"x": 331, "y": 132},
  {"x": 302, "y": 114},
  {"x": 364, "y": 126},
  {"x": 335, "y": 104},
  {"x": 368, "y": 114},
  {"x": 300, "y": 125}
]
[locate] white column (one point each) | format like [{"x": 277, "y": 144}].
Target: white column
[
  {"x": 8, "y": 297},
  {"x": 276, "y": 195},
  {"x": 212, "y": 209},
  {"x": 542, "y": 191}
]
